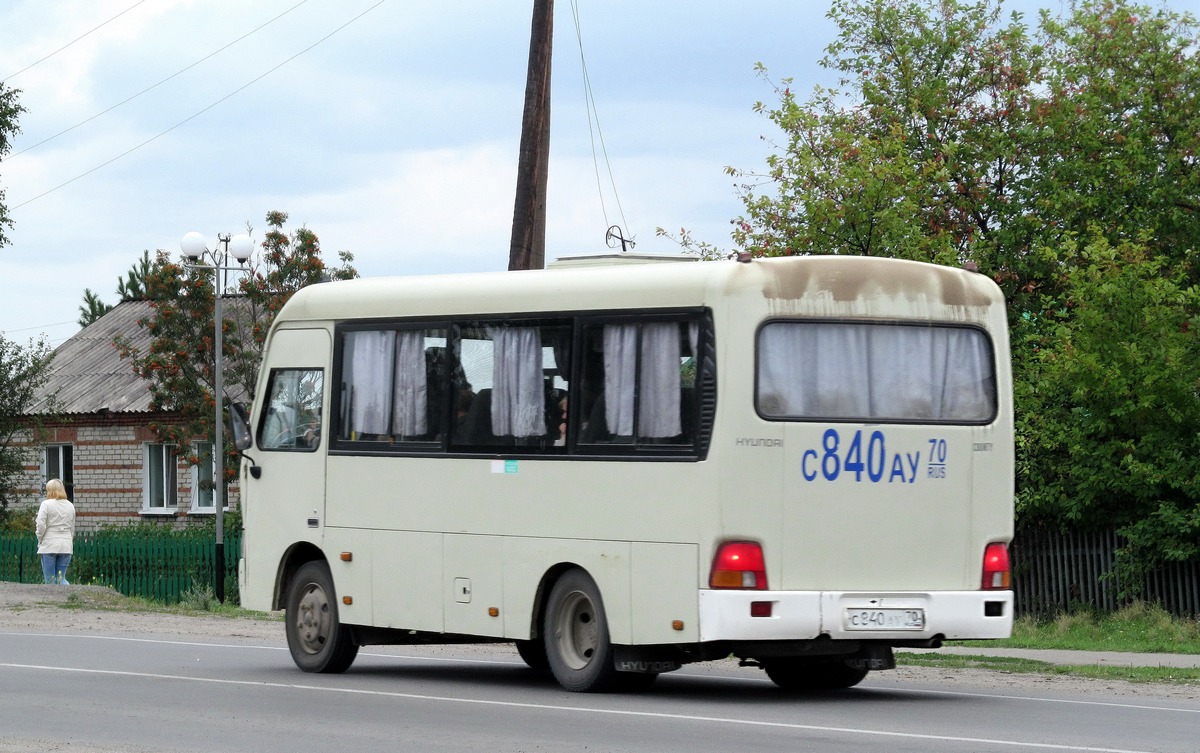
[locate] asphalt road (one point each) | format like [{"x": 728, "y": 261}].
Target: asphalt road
[{"x": 88, "y": 693}]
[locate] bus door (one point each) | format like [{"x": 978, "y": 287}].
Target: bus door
[{"x": 291, "y": 435}]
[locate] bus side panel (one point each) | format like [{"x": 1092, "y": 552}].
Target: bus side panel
[
  {"x": 353, "y": 578},
  {"x": 527, "y": 560},
  {"x": 474, "y": 582},
  {"x": 995, "y": 453},
  {"x": 406, "y": 573},
  {"x": 664, "y": 590},
  {"x": 994, "y": 461}
]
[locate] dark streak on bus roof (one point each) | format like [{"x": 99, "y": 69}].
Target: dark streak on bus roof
[{"x": 849, "y": 278}]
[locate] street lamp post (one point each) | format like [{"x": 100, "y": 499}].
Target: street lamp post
[{"x": 194, "y": 249}]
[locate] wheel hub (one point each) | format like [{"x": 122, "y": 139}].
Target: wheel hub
[
  {"x": 578, "y": 632},
  {"x": 312, "y": 619}
]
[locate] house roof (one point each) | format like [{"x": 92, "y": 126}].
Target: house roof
[{"x": 89, "y": 374}]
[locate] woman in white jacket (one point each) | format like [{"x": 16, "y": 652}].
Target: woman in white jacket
[{"x": 55, "y": 532}]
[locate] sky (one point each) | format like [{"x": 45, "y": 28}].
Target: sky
[{"x": 390, "y": 128}]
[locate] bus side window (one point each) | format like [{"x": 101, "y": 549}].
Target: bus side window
[
  {"x": 638, "y": 383},
  {"x": 520, "y": 371},
  {"x": 293, "y": 420},
  {"x": 394, "y": 386}
]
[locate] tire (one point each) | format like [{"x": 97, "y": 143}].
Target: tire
[
  {"x": 794, "y": 675},
  {"x": 317, "y": 640},
  {"x": 575, "y": 635},
  {"x": 533, "y": 653}
]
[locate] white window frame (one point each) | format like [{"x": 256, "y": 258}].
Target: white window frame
[
  {"x": 168, "y": 461},
  {"x": 201, "y": 448},
  {"x": 66, "y": 472}
]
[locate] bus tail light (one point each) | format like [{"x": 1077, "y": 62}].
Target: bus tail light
[
  {"x": 995, "y": 567},
  {"x": 738, "y": 564}
]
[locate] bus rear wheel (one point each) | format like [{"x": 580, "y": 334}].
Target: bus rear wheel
[
  {"x": 791, "y": 674},
  {"x": 317, "y": 640},
  {"x": 575, "y": 631}
]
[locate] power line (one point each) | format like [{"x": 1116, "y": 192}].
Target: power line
[
  {"x": 73, "y": 41},
  {"x": 201, "y": 112},
  {"x": 593, "y": 114},
  {"x": 160, "y": 83},
  {"x": 41, "y": 326}
]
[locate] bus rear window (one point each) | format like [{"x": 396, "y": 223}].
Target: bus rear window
[{"x": 874, "y": 372}]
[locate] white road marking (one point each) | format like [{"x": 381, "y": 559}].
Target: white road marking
[
  {"x": 684, "y": 673},
  {"x": 582, "y": 710}
]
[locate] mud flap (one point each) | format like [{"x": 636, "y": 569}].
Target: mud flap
[
  {"x": 873, "y": 658},
  {"x": 642, "y": 660}
]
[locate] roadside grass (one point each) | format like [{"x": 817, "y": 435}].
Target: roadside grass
[
  {"x": 1138, "y": 628},
  {"x": 1166, "y": 675},
  {"x": 194, "y": 602}
]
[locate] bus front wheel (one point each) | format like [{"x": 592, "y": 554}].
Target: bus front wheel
[
  {"x": 791, "y": 674},
  {"x": 575, "y": 631},
  {"x": 317, "y": 640}
]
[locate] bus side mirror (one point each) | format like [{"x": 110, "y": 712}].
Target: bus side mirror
[{"x": 239, "y": 426}]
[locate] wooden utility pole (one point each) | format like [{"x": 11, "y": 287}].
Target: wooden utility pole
[{"x": 528, "y": 247}]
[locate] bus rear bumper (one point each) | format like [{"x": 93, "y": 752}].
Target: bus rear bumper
[{"x": 852, "y": 615}]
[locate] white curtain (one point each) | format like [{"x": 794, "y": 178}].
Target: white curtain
[
  {"x": 518, "y": 397},
  {"x": 370, "y": 355},
  {"x": 620, "y": 364},
  {"x": 658, "y": 408},
  {"x": 658, "y": 381},
  {"x": 813, "y": 370},
  {"x": 968, "y": 384},
  {"x": 900, "y": 369},
  {"x": 867, "y": 371},
  {"x": 409, "y": 392}
]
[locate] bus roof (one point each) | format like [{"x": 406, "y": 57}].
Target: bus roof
[{"x": 802, "y": 285}]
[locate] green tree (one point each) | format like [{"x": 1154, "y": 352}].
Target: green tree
[
  {"x": 289, "y": 262},
  {"x": 92, "y": 308},
  {"x": 921, "y": 156},
  {"x": 24, "y": 371},
  {"x": 179, "y": 364},
  {"x": 1108, "y": 420},
  {"x": 131, "y": 287},
  {"x": 10, "y": 111},
  {"x": 1062, "y": 161}
]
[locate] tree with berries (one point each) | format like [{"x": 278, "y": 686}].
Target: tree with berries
[{"x": 178, "y": 364}]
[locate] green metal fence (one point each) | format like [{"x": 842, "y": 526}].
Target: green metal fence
[
  {"x": 1055, "y": 572},
  {"x": 1051, "y": 571},
  {"x": 156, "y": 564}
]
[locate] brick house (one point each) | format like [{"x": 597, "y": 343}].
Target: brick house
[{"x": 115, "y": 468}]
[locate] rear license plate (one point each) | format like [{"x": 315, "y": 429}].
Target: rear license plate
[{"x": 885, "y": 619}]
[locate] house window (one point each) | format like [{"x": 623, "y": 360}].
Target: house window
[
  {"x": 161, "y": 488},
  {"x": 202, "y": 477},
  {"x": 56, "y": 463}
]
